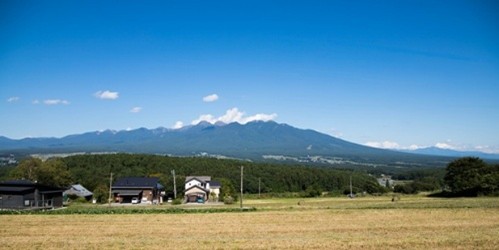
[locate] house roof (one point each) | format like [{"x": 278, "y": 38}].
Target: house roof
[
  {"x": 10, "y": 189},
  {"x": 199, "y": 178},
  {"x": 147, "y": 182},
  {"x": 215, "y": 184},
  {"x": 18, "y": 186},
  {"x": 18, "y": 182},
  {"x": 78, "y": 190}
]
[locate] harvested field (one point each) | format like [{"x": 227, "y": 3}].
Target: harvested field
[{"x": 389, "y": 228}]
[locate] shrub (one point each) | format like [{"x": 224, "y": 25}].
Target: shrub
[
  {"x": 80, "y": 200},
  {"x": 228, "y": 200}
]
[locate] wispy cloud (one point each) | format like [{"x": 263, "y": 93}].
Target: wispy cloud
[
  {"x": 13, "y": 99},
  {"x": 210, "y": 98},
  {"x": 55, "y": 102},
  {"x": 448, "y": 144},
  {"x": 444, "y": 145},
  {"x": 383, "y": 144},
  {"x": 234, "y": 115},
  {"x": 106, "y": 95},
  {"x": 487, "y": 149},
  {"x": 136, "y": 109},
  {"x": 178, "y": 125}
]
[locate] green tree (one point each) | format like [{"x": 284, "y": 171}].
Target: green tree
[
  {"x": 468, "y": 176},
  {"x": 54, "y": 172},
  {"x": 227, "y": 189},
  {"x": 101, "y": 193},
  {"x": 27, "y": 169}
]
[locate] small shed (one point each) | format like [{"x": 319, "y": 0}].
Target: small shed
[{"x": 78, "y": 190}]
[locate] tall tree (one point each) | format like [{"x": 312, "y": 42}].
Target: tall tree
[
  {"x": 465, "y": 176},
  {"x": 27, "y": 169},
  {"x": 52, "y": 172}
]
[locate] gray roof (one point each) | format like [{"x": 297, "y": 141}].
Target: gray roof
[
  {"x": 138, "y": 182},
  {"x": 215, "y": 184},
  {"x": 78, "y": 190},
  {"x": 17, "y": 186},
  {"x": 201, "y": 178}
]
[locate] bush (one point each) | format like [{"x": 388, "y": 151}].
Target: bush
[
  {"x": 228, "y": 200},
  {"x": 80, "y": 200},
  {"x": 177, "y": 201}
]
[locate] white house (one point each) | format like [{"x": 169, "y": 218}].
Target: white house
[{"x": 199, "y": 188}]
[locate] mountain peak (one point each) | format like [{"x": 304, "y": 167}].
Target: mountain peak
[{"x": 253, "y": 140}]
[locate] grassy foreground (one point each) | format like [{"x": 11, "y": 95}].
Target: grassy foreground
[{"x": 329, "y": 223}]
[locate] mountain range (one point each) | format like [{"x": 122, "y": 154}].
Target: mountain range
[
  {"x": 452, "y": 153},
  {"x": 255, "y": 141}
]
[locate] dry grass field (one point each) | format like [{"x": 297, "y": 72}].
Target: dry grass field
[{"x": 314, "y": 224}]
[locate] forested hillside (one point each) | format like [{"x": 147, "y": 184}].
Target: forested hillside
[{"x": 94, "y": 171}]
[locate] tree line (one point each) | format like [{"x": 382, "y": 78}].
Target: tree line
[
  {"x": 93, "y": 172},
  {"x": 467, "y": 176}
]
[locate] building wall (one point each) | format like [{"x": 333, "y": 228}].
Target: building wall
[
  {"x": 147, "y": 195},
  {"x": 192, "y": 183},
  {"x": 12, "y": 201}
]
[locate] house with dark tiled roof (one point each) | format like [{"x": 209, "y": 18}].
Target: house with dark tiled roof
[
  {"x": 146, "y": 189},
  {"x": 24, "y": 194}
]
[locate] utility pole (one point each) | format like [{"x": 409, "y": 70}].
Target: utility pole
[
  {"x": 259, "y": 187},
  {"x": 241, "y": 200},
  {"x": 351, "y": 194},
  {"x": 110, "y": 185},
  {"x": 174, "y": 185}
]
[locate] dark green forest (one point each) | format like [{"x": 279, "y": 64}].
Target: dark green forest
[
  {"x": 93, "y": 172},
  {"x": 463, "y": 177}
]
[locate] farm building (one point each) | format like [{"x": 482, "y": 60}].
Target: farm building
[
  {"x": 145, "y": 189},
  {"x": 78, "y": 190},
  {"x": 200, "y": 189},
  {"x": 24, "y": 194}
]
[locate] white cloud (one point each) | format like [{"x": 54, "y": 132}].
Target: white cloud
[
  {"x": 444, "y": 145},
  {"x": 259, "y": 117},
  {"x": 55, "y": 102},
  {"x": 414, "y": 147},
  {"x": 36, "y": 101},
  {"x": 13, "y": 99},
  {"x": 487, "y": 149},
  {"x": 206, "y": 118},
  {"x": 234, "y": 115},
  {"x": 136, "y": 109},
  {"x": 178, "y": 125},
  {"x": 210, "y": 98},
  {"x": 384, "y": 145},
  {"x": 106, "y": 95}
]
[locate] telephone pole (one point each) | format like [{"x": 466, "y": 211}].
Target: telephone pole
[
  {"x": 241, "y": 200},
  {"x": 174, "y": 185},
  {"x": 351, "y": 193},
  {"x": 110, "y": 189},
  {"x": 259, "y": 180}
]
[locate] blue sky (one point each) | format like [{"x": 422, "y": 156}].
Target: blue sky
[{"x": 393, "y": 74}]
